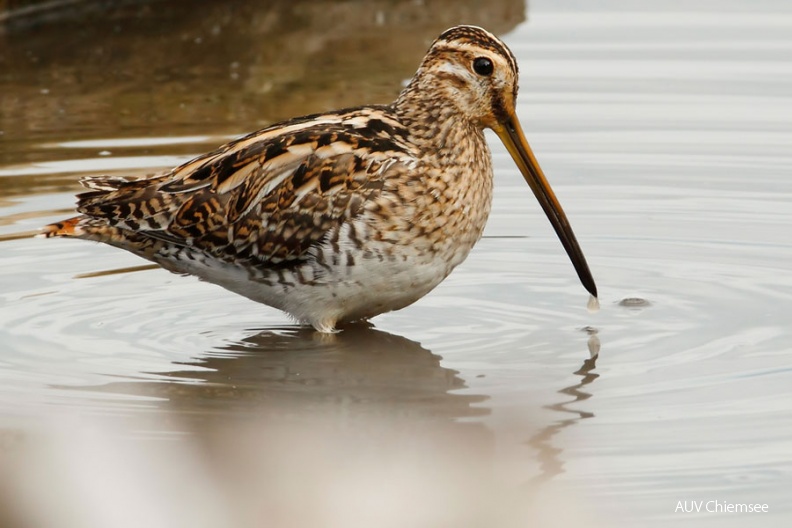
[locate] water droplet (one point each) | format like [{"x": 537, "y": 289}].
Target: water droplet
[{"x": 593, "y": 304}]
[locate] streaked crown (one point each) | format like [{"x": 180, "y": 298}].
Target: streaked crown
[{"x": 472, "y": 70}]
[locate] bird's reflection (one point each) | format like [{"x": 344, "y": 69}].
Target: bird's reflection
[
  {"x": 361, "y": 371},
  {"x": 551, "y": 463},
  {"x": 359, "y": 376},
  {"x": 281, "y": 418}
]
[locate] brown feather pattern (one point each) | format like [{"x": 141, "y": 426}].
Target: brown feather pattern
[
  {"x": 268, "y": 196},
  {"x": 330, "y": 217}
]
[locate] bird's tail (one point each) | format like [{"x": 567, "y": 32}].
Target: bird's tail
[
  {"x": 65, "y": 228},
  {"x": 97, "y": 229}
]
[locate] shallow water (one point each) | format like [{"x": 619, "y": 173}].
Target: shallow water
[{"x": 496, "y": 400}]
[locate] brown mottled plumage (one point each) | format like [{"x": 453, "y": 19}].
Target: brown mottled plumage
[{"x": 339, "y": 216}]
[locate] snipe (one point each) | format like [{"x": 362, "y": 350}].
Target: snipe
[{"x": 340, "y": 216}]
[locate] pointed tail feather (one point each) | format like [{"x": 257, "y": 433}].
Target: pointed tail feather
[
  {"x": 98, "y": 230},
  {"x": 64, "y": 228}
]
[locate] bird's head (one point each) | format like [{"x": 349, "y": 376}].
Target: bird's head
[{"x": 471, "y": 71}]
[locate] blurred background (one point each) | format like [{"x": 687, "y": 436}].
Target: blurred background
[{"x": 176, "y": 67}]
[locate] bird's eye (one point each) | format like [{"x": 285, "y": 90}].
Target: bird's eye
[{"x": 483, "y": 66}]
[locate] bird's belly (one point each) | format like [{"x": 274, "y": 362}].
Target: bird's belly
[
  {"x": 352, "y": 287},
  {"x": 368, "y": 284},
  {"x": 365, "y": 289}
]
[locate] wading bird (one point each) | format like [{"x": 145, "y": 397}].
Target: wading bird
[{"x": 340, "y": 216}]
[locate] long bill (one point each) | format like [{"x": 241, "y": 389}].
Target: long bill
[{"x": 510, "y": 132}]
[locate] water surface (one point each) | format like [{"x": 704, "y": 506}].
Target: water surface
[{"x": 496, "y": 400}]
